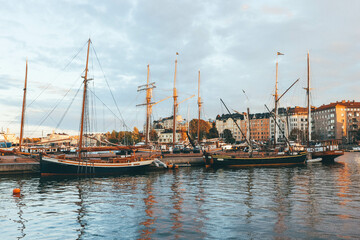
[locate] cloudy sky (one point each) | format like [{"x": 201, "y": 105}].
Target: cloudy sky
[{"x": 232, "y": 43}]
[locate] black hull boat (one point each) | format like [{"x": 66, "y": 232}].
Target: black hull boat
[
  {"x": 52, "y": 166},
  {"x": 221, "y": 161}
]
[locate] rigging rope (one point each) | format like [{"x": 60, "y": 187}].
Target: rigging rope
[
  {"x": 66, "y": 111},
  {"x": 112, "y": 95},
  {"x": 57, "y": 104}
]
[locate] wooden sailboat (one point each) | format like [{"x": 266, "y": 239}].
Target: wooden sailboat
[
  {"x": 328, "y": 151},
  {"x": 82, "y": 165},
  {"x": 252, "y": 159}
]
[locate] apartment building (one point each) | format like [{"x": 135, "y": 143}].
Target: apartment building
[
  {"x": 259, "y": 125},
  {"x": 339, "y": 120}
]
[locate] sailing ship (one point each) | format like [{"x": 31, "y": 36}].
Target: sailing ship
[
  {"x": 85, "y": 163},
  {"x": 328, "y": 150},
  {"x": 240, "y": 159}
]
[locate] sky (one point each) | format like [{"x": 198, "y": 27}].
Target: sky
[{"x": 232, "y": 43}]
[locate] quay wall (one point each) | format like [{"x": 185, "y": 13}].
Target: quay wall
[{"x": 15, "y": 168}]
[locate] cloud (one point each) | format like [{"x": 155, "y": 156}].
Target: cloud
[{"x": 233, "y": 43}]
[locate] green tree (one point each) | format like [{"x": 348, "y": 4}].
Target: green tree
[
  {"x": 228, "y": 137},
  {"x": 213, "y": 132},
  {"x": 204, "y": 128}
]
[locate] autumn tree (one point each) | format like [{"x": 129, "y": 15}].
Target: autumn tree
[
  {"x": 204, "y": 128},
  {"x": 136, "y": 135},
  {"x": 153, "y": 136}
]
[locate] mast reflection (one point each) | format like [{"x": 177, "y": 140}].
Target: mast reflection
[
  {"x": 249, "y": 196},
  {"x": 20, "y": 204},
  {"x": 81, "y": 211},
  {"x": 283, "y": 189},
  {"x": 177, "y": 201},
  {"x": 149, "y": 211}
]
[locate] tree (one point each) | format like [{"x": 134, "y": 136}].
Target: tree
[
  {"x": 357, "y": 135},
  {"x": 213, "y": 132},
  {"x": 136, "y": 135},
  {"x": 297, "y": 135},
  {"x": 193, "y": 127},
  {"x": 227, "y": 135},
  {"x": 153, "y": 136}
]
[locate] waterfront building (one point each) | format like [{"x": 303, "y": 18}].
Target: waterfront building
[
  {"x": 163, "y": 128},
  {"x": 167, "y": 137},
  {"x": 167, "y": 123},
  {"x": 339, "y": 120},
  {"x": 259, "y": 125},
  {"x": 9, "y": 137}
]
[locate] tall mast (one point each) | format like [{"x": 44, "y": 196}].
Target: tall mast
[
  {"x": 276, "y": 99},
  {"x": 199, "y": 104},
  {"x": 84, "y": 102},
  {"x": 276, "y": 96},
  {"x": 175, "y": 104},
  {"x": 23, "y": 109},
  {"x": 248, "y": 133},
  {"x": 148, "y": 106},
  {"x": 308, "y": 102}
]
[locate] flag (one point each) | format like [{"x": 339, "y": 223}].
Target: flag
[
  {"x": 279, "y": 53},
  {"x": 177, "y": 53},
  {"x": 243, "y": 91}
]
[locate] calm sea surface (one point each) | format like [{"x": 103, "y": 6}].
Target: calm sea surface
[{"x": 315, "y": 201}]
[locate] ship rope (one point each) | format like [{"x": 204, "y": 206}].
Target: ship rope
[
  {"x": 53, "y": 109},
  {"x": 50, "y": 84},
  {"x": 67, "y": 109},
  {"x": 107, "y": 83}
]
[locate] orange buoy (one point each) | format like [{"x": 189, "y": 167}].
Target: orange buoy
[
  {"x": 176, "y": 166},
  {"x": 16, "y": 191}
]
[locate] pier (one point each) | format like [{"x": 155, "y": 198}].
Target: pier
[{"x": 18, "y": 165}]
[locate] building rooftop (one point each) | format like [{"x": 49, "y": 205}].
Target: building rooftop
[{"x": 349, "y": 104}]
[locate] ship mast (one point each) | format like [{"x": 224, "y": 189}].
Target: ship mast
[
  {"x": 84, "y": 102},
  {"x": 276, "y": 96},
  {"x": 276, "y": 99},
  {"x": 248, "y": 133},
  {"x": 148, "y": 106},
  {"x": 199, "y": 104},
  {"x": 308, "y": 102},
  {"x": 175, "y": 103},
  {"x": 23, "y": 109}
]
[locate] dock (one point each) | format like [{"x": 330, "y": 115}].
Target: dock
[
  {"x": 18, "y": 165},
  {"x": 184, "y": 159}
]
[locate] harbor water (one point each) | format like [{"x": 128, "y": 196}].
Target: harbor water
[{"x": 314, "y": 201}]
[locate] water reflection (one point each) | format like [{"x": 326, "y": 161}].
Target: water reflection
[
  {"x": 149, "y": 211},
  {"x": 343, "y": 182},
  {"x": 177, "y": 201},
  {"x": 20, "y": 204},
  {"x": 318, "y": 201},
  {"x": 249, "y": 196},
  {"x": 81, "y": 211},
  {"x": 283, "y": 189}
]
